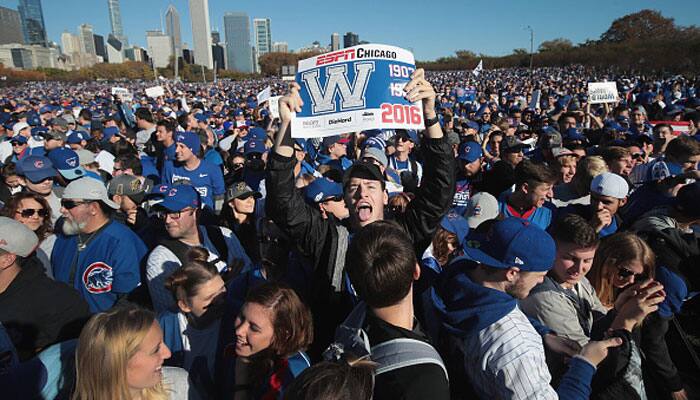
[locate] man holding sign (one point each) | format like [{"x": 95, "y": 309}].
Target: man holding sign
[{"x": 325, "y": 241}]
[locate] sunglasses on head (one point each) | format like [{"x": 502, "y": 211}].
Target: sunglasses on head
[{"x": 28, "y": 212}]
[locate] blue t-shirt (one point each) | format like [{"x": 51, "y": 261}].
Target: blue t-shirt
[
  {"x": 107, "y": 267},
  {"x": 538, "y": 216},
  {"x": 463, "y": 193},
  {"x": 207, "y": 179}
]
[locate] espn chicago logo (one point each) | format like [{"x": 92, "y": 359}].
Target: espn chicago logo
[{"x": 344, "y": 55}]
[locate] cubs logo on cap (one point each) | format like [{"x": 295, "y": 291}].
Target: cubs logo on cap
[{"x": 39, "y": 164}]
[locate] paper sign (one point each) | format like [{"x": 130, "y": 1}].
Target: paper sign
[
  {"x": 355, "y": 89},
  {"x": 274, "y": 105},
  {"x": 264, "y": 95},
  {"x": 535, "y": 102},
  {"x": 155, "y": 91},
  {"x": 122, "y": 93},
  {"x": 602, "y": 92}
]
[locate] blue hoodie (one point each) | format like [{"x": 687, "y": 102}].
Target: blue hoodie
[{"x": 466, "y": 308}]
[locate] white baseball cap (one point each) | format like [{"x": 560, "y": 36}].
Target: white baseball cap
[
  {"x": 88, "y": 188},
  {"x": 16, "y": 238},
  {"x": 609, "y": 184},
  {"x": 481, "y": 207},
  {"x": 18, "y": 127}
]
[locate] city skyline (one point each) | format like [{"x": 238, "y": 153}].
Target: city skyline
[{"x": 473, "y": 27}]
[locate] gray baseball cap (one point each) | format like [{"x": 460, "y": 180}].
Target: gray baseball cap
[
  {"x": 88, "y": 188},
  {"x": 16, "y": 238},
  {"x": 377, "y": 154}
]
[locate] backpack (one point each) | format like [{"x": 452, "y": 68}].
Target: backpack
[
  {"x": 390, "y": 355},
  {"x": 215, "y": 236}
]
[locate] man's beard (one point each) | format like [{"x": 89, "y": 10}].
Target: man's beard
[{"x": 71, "y": 227}]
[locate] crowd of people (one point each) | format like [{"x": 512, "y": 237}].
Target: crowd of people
[{"x": 526, "y": 244}]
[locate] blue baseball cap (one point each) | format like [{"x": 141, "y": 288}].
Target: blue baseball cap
[
  {"x": 19, "y": 139},
  {"x": 45, "y": 109},
  {"x": 322, "y": 189},
  {"x": 407, "y": 134},
  {"x": 108, "y": 132},
  {"x": 179, "y": 197},
  {"x": 662, "y": 169},
  {"x": 67, "y": 162},
  {"x": 190, "y": 140},
  {"x": 470, "y": 151},
  {"x": 456, "y": 224},
  {"x": 75, "y": 137},
  {"x": 36, "y": 168},
  {"x": 514, "y": 242},
  {"x": 472, "y": 125},
  {"x": 257, "y": 133},
  {"x": 201, "y": 117},
  {"x": 254, "y": 146}
]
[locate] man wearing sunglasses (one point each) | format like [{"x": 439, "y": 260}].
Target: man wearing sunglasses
[
  {"x": 93, "y": 253},
  {"x": 180, "y": 211},
  {"x": 328, "y": 197}
]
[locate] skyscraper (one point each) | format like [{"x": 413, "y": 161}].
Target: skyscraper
[
  {"x": 10, "y": 26},
  {"x": 33, "y": 27},
  {"x": 239, "y": 54},
  {"x": 159, "y": 48},
  {"x": 280, "y": 47},
  {"x": 201, "y": 32},
  {"x": 351, "y": 39},
  {"x": 263, "y": 36},
  {"x": 215, "y": 37},
  {"x": 172, "y": 29},
  {"x": 100, "y": 48},
  {"x": 115, "y": 19},
  {"x": 335, "y": 41},
  {"x": 87, "y": 44}
]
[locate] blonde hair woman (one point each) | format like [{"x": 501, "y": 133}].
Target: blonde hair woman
[{"x": 120, "y": 355}]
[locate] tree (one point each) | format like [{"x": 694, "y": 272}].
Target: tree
[
  {"x": 465, "y": 54},
  {"x": 645, "y": 24},
  {"x": 559, "y": 44},
  {"x": 520, "y": 52}
]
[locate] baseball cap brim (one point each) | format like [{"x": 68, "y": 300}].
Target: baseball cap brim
[
  {"x": 172, "y": 204},
  {"x": 73, "y": 173},
  {"x": 363, "y": 170},
  {"x": 481, "y": 257},
  {"x": 256, "y": 195},
  {"x": 38, "y": 176}
]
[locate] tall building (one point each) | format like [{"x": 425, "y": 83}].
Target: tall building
[
  {"x": 172, "y": 29},
  {"x": 33, "y": 27},
  {"x": 280, "y": 47},
  {"x": 219, "y": 54},
  {"x": 215, "y": 37},
  {"x": 351, "y": 39},
  {"x": 115, "y": 50},
  {"x": 87, "y": 44},
  {"x": 100, "y": 49},
  {"x": 10, "y": 26},
  {"x": 239, "y": 53},
  {"x": 159, "y": 48},
  {"x": 201, "y": 32},
  {"x": 115, "y": 20},
  {"x": 70, "y": 45},
  {"x": 335, "y": 41},
  {"x": 263, "y": 38}
]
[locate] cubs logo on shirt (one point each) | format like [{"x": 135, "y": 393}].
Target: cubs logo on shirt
[{"x": 97, "y": 278}]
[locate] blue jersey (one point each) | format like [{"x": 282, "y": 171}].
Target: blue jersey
[
  {"x": 463, "y": 193},
  {"x": 107, "y": 267},
  {"x": 207, "y": 179},
  {"x": 538, "y": 216}
]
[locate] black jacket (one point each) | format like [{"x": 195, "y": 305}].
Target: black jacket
[
  {"x": 38, "y": 311},
  {"x": 324, "y": 242}
]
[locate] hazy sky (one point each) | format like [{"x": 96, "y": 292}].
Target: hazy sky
[{"x": 493, "y": 28}]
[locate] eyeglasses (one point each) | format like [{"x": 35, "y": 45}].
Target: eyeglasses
[
  {"x": 17, "y": 144},
  {"x": 624, "y": 273},
  {"x": 238, "y": 165},
  {"x": 71, "y": 204},
  {"x": 638, "y": 156},
  {"x": 172, "y": 214},
  {"x": 29, "y": 212}
]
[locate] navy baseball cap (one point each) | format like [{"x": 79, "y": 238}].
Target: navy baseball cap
[
  {"x": 257, "y": 133},
  {"x": 407, "y": 134},
  {"x": 328, "y": 141},
  {"x": 108, "y": 132},
  {"x": 363, "y": 170},
  {"x": 254, "y": 146},
  {"x": 456, "y": 224},
  {"x": 190, "y": 140},
  {"x": 75, "y": 137},
  {"x": 322, "y": 189},
  {"x": 514, "y": 242},
  {"x": 179, "y": 197},
  {"x": 470, "y": 152},
  {"x": 45, "y": 109},
  {"x": 36, "y": 168},
  {"x": 67, "y": 162},
  {"x": 19, "y": 139},
  {"x": 201, "y": 117}
]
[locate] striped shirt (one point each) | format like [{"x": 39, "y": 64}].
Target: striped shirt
[{"x": 506, "y": 360}]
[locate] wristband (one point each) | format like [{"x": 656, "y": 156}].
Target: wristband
[{"x": 430, "y": 122}]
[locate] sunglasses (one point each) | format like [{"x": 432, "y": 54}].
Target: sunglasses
[
  {"x": 71, "y": 204},
  {"x": 624, "y": 273},
  {"x": 638, "y": 156},
  {"x": 29, "y": 212},
  {"x": 17, "y": 144},
  {"x": 172, "y": 214}
]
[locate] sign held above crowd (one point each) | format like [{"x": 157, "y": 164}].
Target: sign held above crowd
[
  {"x": 355, "y": 89},
  {"x": 155, "y": 91},
  {"x": 602, "y": 92}
]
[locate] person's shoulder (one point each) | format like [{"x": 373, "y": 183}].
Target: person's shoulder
[{"x": 176, "y": 381}]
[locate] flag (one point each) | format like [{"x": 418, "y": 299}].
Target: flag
[{"x": 478, "y": 68}]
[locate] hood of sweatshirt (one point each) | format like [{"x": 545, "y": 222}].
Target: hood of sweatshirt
[{"x": 466, "y": 307}]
